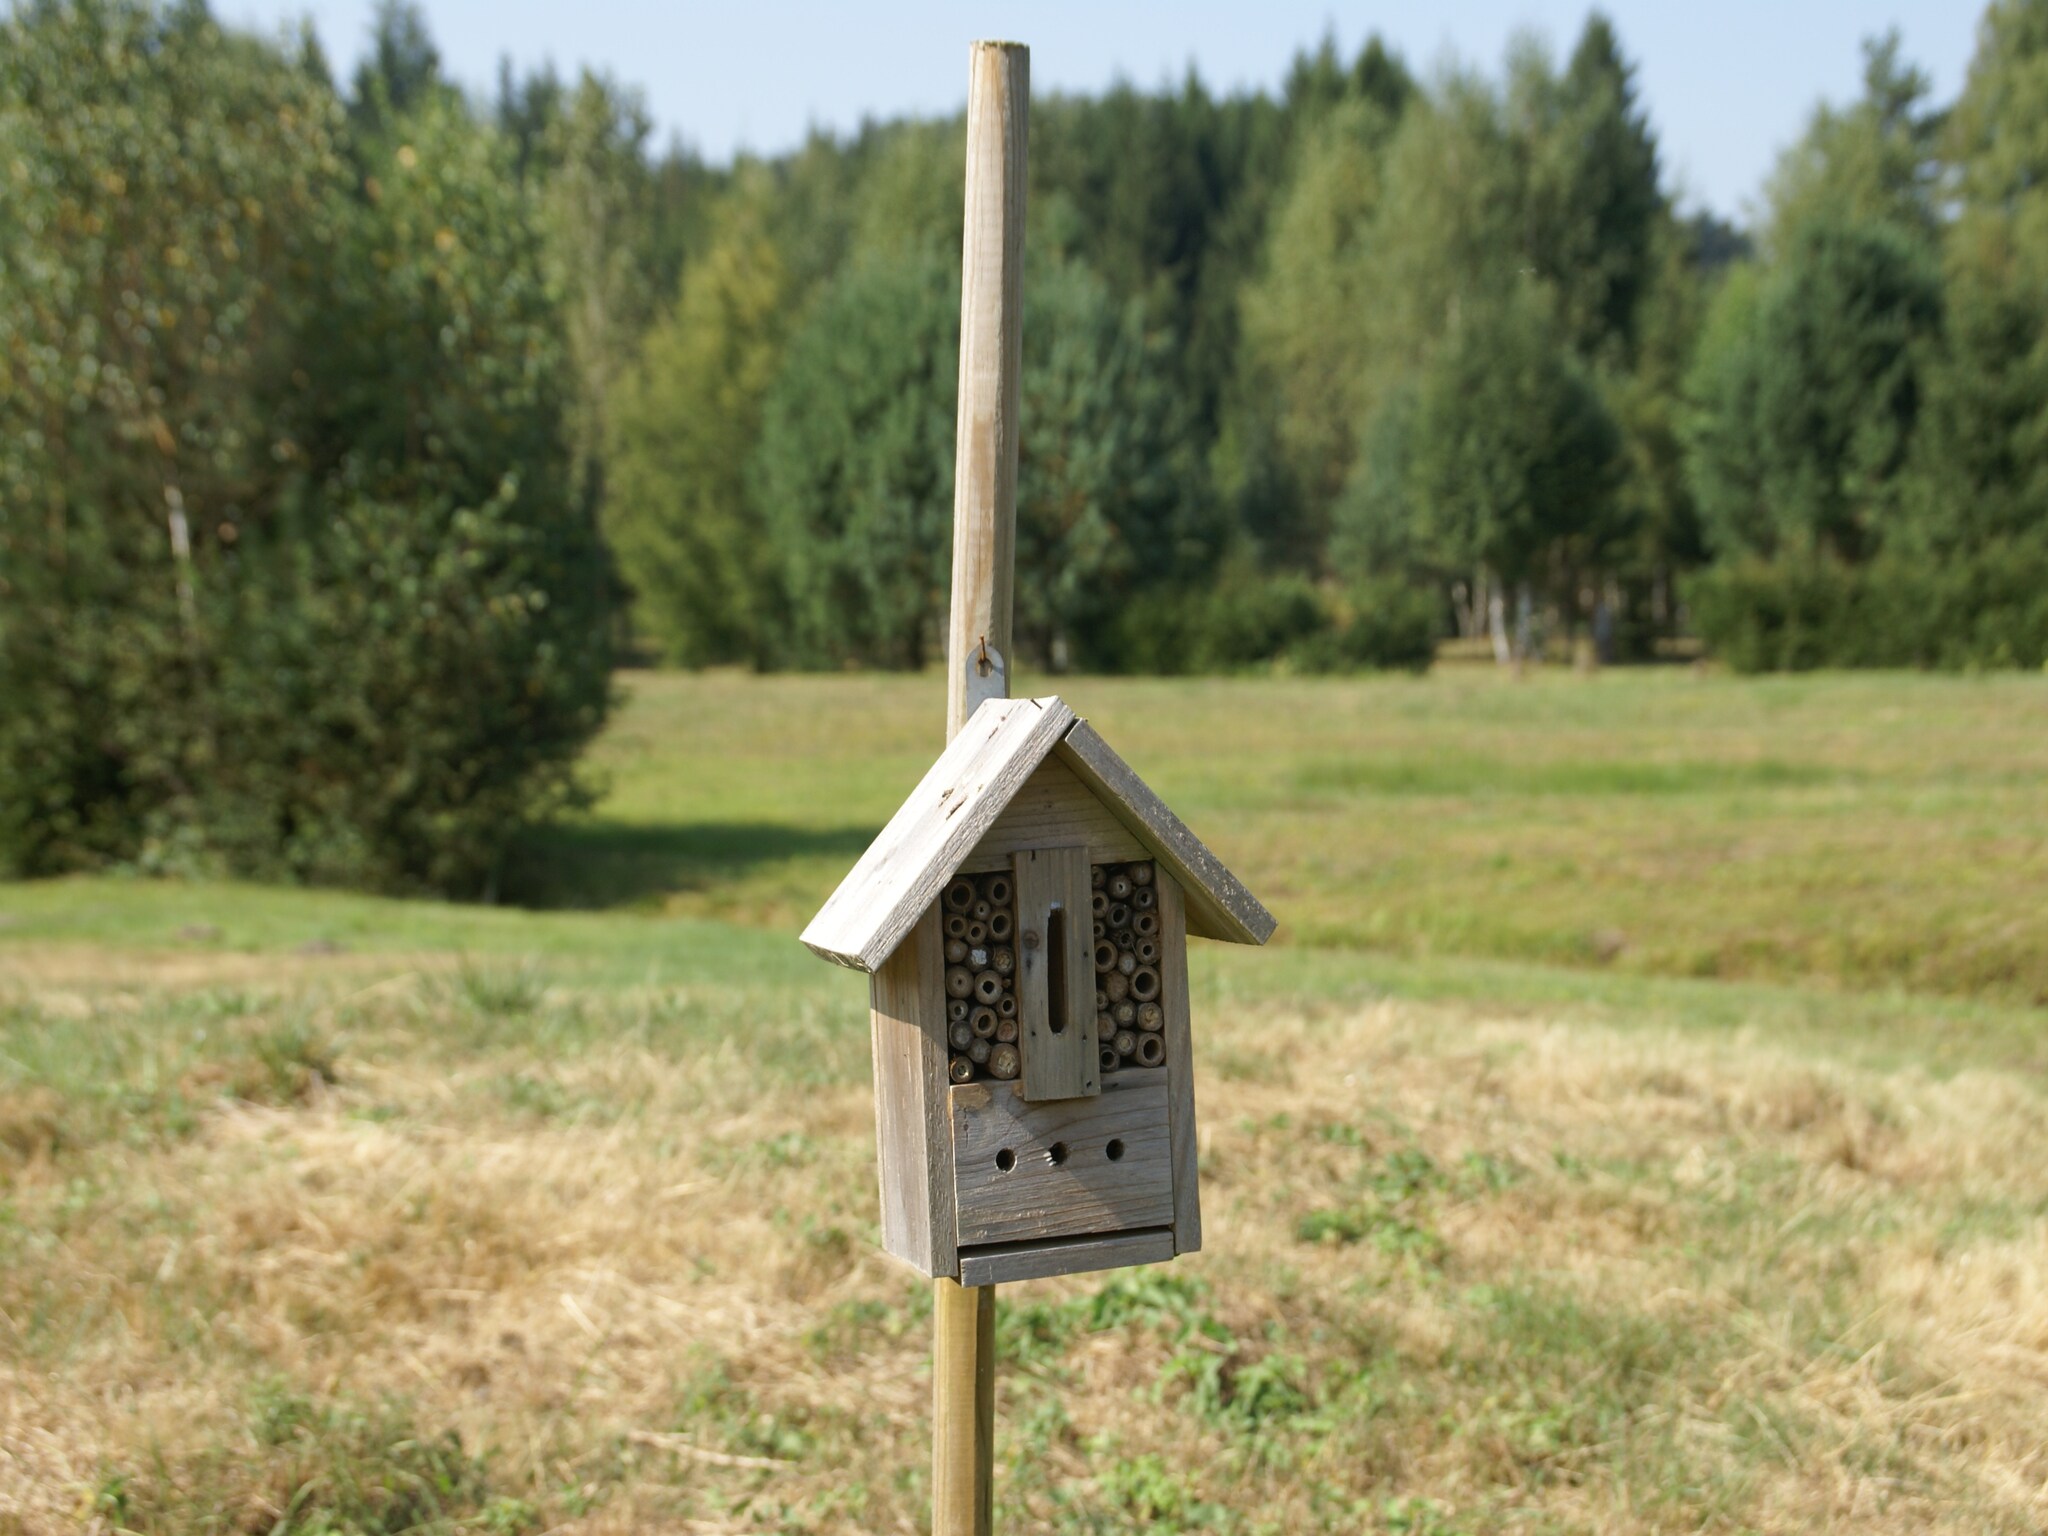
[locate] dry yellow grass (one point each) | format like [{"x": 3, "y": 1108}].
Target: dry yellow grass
[{"x": 1469, "y": 1269}]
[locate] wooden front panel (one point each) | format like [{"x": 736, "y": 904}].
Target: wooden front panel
[
  {"x": 1056, "y": 975},
  {"x": 1078, "y": 1167}
]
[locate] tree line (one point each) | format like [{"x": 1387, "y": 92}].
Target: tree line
[
  {"x": 1326, "y": 374},
  {"x": 351, "y": 430}
]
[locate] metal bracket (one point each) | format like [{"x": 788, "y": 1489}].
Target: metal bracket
[{"x": 988, "y": 676}]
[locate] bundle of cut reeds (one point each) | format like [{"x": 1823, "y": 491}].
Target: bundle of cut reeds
[
  {"x": 980, "y": 921},
  {"x": 1130, "y": 1024}
]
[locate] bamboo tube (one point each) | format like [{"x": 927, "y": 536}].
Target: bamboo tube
[
  {"x": 1118, "y": 915},
  {"x": 960, "y": 1069},
  {"x": 1006, "y": 1027},
  {"x": 1099, "y": 904},
  {"x": 1145, "y": 923},
  {"x": 1140, "y": 873},
  {"x": 1126, "y": 1043},
  {"x": 981, "y": 909},
  {"x": 1006, "y": 1006},
  {"x": 1101, "y": 1001},
  {"x": 1120, "y": 887},
  {"x": 1123, "y": 1014},
  {"x": 1003, "y": 962},
  {"x": 960, "y": 1036},
  {"x": 1144, "y": 898},
  {"x": 977, "y": 933},
  {"x": 1117, "y": 985},
  {"x": 959, "y": 981},
  {"x": 1126, "y": 962},
  {"x": 960, "y": 895},
  {"x": 956, "y": 926},
  {"x": 1003, "y": 1061},
  {"x": 1125, "y": 941},
  {"x": 998, "y": 890},
  {"x": 988, "y": 986},
  {"x": 956, "y": 951},
  {"x": 1105, "y": 1026},
  {"x": 1105, "y": 956},
  {"x": 1101, "y": 930},
  {"x": 1151, "y": 1050},
  {"x": 983, "y": 1023},
  {"x": 956, "y": 1010},
  {"x": 1151, "y": 1016},
  {"x": 1110, "y": 1060},
  {"x": 979, "y": 1051},
  {"x": 1144, "y": 983},
  {"x": 1147, "y": 951},
  {"x": 977, "y": 957},
  {"x": 1098, "y": 876},
  {"x": 999, "y": 924}
]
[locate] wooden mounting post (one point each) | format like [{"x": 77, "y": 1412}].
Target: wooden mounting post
[
  {"x": 978, "y": 667},
  {"x": 991, "y": 333}
]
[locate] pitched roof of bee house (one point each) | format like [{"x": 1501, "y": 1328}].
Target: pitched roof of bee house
[{"x": 961, "y": 796}]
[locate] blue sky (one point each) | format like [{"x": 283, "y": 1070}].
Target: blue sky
[{"x": 1728, "y": 84}]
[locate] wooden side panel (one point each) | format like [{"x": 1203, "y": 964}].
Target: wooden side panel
[
  {"x": 1180, "y": 1063},
  {"x": 1075, "y": 1167},
  {"x": 898, "y": 878},
  {"x": 913, "y": 1133},
  {"x": 1064, "y": 1256},
  {"x": 1054, "y": 808},
  {"x": 1056, "y": 975},
  {"x": 1219, "y": 906}
]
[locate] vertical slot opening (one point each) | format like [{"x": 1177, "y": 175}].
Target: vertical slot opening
[{"x": 1056, "y": 971}]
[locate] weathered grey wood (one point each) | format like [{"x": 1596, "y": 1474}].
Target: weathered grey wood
[
  {"x": 913, "y": 1130},
  {"x": 1053, "y": 890},
  {"x": 1180, "y": 1063},
  {"x": 991, "y": 332},
  {"x": 1054, "y": 809},
  {"x": 1064, "y": 1256},
  {"x": 930, "y": 836},
  {"x": 1083, "y": 1191},
  {"x": 1219, "y": 907},
  {"x": 977, "y": 680}
]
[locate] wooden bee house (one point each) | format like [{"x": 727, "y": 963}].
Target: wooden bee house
[{"x": 1023, "y": 920}]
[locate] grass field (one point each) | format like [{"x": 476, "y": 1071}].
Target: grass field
[{"x": 1638, "y": 1130}]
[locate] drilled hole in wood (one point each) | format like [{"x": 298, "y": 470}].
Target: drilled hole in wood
[
  {"x": 1006, "y": 1160},
  {"x": 1056, "y": 989},
  {"x": 1057, "y": 1152},
  {"x": 1115, "y": 1150}
]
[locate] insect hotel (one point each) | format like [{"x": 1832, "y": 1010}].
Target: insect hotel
[{"x": 1023, "y": 920}]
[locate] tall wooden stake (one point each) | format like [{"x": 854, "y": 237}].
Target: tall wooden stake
[
  {"x": 991, "y": 331},
  {"x": 978, "y": 667}
]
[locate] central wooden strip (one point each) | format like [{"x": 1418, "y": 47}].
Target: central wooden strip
[{"x": 1055, "y": 975}]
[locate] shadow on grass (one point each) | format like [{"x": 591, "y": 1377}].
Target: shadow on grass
[{"x": 602, "y": 864}]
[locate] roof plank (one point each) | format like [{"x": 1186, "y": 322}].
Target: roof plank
[
  {"x": 933, "y": 832},
  {"x": 1219, "y": 906}
]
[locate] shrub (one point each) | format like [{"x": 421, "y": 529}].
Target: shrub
[
  {"x": 1381, "y": 625},
  {"x": 1242, "y": 618},
  {"x": 1989, "y": 609},
  {"x": 292, "y": 582}
]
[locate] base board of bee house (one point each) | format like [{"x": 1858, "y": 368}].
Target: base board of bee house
[{"x": 1000, "y": 1263}]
